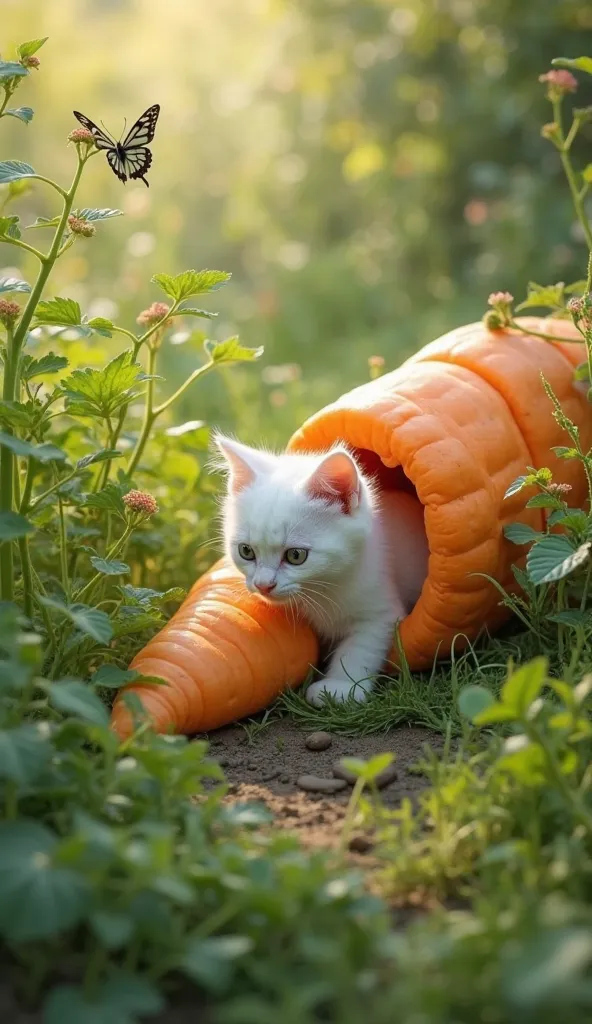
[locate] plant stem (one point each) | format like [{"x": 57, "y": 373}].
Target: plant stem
[
  {"x": 570, "y": 174},
  {"x": 87, "y": 590},
  {"x": 541, "y": 334},
  {"x": 149, "y": 414},
  {"x": 63, "y": 550},
  {"x": 11, "y": 388}
]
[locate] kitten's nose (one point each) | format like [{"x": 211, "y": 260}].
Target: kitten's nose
[{"x": 266, "y": 588}]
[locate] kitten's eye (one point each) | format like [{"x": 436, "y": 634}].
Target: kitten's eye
[
  {"x": 296, "y": 556},
  {"x": 246, "y": 552}
]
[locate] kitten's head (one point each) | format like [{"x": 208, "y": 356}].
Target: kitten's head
[{"x": 292, "y": 521}]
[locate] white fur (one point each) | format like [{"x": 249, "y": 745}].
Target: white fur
[{"x": 367, "y": 558}]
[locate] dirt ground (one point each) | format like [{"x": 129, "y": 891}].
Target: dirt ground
[{"x": 267, "y": 766}]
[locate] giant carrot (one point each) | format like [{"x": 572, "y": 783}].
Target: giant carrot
[{"x": 455, "y": 424}]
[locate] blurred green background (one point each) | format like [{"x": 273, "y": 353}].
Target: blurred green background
[{"x": 369, "y": 170}]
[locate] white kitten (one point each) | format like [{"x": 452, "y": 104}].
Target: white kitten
[{"x": 309, "y": 531}]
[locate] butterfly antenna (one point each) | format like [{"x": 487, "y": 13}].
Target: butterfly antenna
[{"x": 124, "y": 127}]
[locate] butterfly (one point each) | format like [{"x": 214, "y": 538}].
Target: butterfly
[{"x": 130, "y": 158}]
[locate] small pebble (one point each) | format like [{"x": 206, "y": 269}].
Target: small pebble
[
  {"x": 382, "y": 780},
  {"x": 318, "y": 741},
  {"x": 360, "y": 844},
  {"x": 252, "y": 767},
  {"x": 269, "y": 776},
  {"x": 314, "y": 784}
]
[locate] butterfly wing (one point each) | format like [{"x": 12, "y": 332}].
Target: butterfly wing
[
  {"x": 117, "y": 164},
  {"x": 102, "y": 140},
  {"x": 137, "y": 161},
  {"x": 142, "y": 132}
]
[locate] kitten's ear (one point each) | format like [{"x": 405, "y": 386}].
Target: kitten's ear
[
  {"x": 245, "y": 464},
  {"x": 336, "y": 479}
]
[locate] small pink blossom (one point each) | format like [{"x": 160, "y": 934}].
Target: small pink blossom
[
  {"x": 81, "y": 135},
  {"x": 500, "y": 299},
  {"x": 9, "y": 312},
  {"x": 81, "y": 227},
  {"x": 140, "y": 502},
  {"x": 559, "y": 83},
  {"x": 153, "y": 315},
  {"x": 559, "y": 488}
]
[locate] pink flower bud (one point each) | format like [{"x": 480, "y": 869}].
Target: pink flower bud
[
  {"x": 81, "y": 135},
  {"x": 141, "y": 503},
  {"x": 559, "y": 83},
  {"x": 9, "y": 312},
  {"x": 81, "y": 227},
  {"x": 153, "y": 315}
]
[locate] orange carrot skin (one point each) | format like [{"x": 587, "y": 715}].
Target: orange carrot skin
[{"x": 225, "y": 654}]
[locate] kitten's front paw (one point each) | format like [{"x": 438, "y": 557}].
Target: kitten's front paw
[{"x": 338, "y": 689}]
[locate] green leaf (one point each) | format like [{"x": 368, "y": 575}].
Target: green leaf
[
  {"x": 526, "y": 764},
  {"x": 544, "y": 501},
  {"x": 13, "y": 525},
  {"x": 524, "y": 685},
  {"x": 100, "y": 393},
  {"x": 520, "y": 533},
  {"x": 90, "y": 213},
  {"x": 13, "y": 284},
  {"x": 11, "y": 69},
  {"x": 104, "y": 455},
  {"x": 50, "y": 363},
  {"x": 565, "y": 453},
  {"x": 112, "y": 677},
  {"x": 37, "y": 898},
  {"x": 30, "y": 47},
  {"x": 109, "y": 567},
  {"x": 9, "y": 227},
  {"x": 122, "y": 999},
  {"x": 17, "y": 414},
  {"x": 190, "y": 282},
  {"x": 24, "y": 753},
  {"x": 210, "y": 962},
  {"x": 546, "y": 296},
  {"x": 100, "y": 325},
  {"x": 495, "y": 713},
  {"x": 192, "y": 311},
  {"x": 57, "y": 312},
  {"x": 569, "y": 617},
  {"x": 109, "y": 499},
  {"x": 516, "y": 486},
  {"x": 473, "y": 700},
  {"x": 113, "y": 930},
  {"x": 553, "y": 557},
  {"x": 79, "y": 700},
  {"x": 90, "y": 621},
  {"x": 540, "y": 971},
  {"x": 44, "y": 222},
  {"x": 41, "y": 452},
  {"x": 231, "y": 351},
  {"x": 22, "y": 113},
  {"x": 574, "y": 64},
  {"x": 14, "y": 170}
]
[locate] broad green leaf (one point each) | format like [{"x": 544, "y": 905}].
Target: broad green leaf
[
  {"x": 565, "y": 453},
  {"x": 13, "y": 525},
  {"x": 9, "y": 227},
  {"x": 553, "y": 557},
  {"x": 520, "y": 533},
  {"x": 100, "y": 325},
  {"x": 570, "y": 519},
  {"x": 473, "y": 700},
  {"x": 37, "y": 898},
  {"x": 41, "y": 452},
  {"x": 190, "y": 282},
  {"x": 192, "y": 311},
  {"x": 574, "y": 64},
  {"x": 122, "y": 999},
  {"x": 497, "y": 712},
  {"x": 109, "y": 567},
  {"x": 569, "y": 617},
  {"x": 13, "y": 284},
  {"x": 540, "y": 971},
  {"x": 90, "y": 621},
  {"x": 22, "y": 113},
  {"x": 30, "y": 47},
  {"x": 58, "y": 312},
  {"x": 109, "y": 499},
  {"x": 526, "y": 764},
  {"x": 112, "y": 677},
  {"x": 79, "y": 700},
  {"x": 113, "y": 930},
  {"x": 11, "y": 69},
  {"x": 91, "y": 392},
  {"x": 104, "y": 455},
  {"x": 17, "y": 414},
  {"x": 24, "y": 753},
  {"x": 524, "y": 685},
  {"x": 50, "y": 363},
  {"x": 14, "y": 170},
  {"x": 547, "y": 296},
  {"x": 544, "y": 501},
  {"x": 210, "y": 961},
  {"x": 147, "y": 596},
  {"x": 90, "y": 213},
  {"x": 231, "y": 351}
]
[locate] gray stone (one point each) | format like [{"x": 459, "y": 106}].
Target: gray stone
[
  {"x": 314, "y": 784},
  {"x": 318, "y": 741}
]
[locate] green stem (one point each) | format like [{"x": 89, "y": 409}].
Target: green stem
[
  {"x": 200, "y": 372},
  {"x": 7, "y": 473},
  {"x": 63, "y": 550},
  {"x": 570, "y": 174},
  {"x": 116, "y": 549},
  {"x": 25, "y": 245},
  {"x": 54, "y": 487},
  {"x": 541, "y": 334},
  {"x": 149, "y": 414}
]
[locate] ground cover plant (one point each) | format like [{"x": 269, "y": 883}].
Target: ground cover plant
[{"x": 123, "y": 872}]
